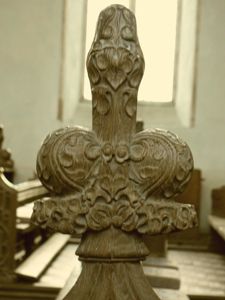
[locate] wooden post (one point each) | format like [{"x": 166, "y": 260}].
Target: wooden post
[
  {"x": 6, "y": 161},
  {"x": 8, "y": 206},
  {"x": 113, "y": 183}
]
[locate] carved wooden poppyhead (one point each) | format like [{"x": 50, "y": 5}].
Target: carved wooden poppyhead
[{"x": 111, "y": 176}]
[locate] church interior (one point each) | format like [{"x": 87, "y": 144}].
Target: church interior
[{"x": 45, "y": 86}]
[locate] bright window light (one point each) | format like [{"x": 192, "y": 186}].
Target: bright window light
[{"x": 156, "y": 25}]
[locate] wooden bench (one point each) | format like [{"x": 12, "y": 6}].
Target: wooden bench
[
  {"x": 31, "y": 259},
  {"x": 218, "y": 224},
  {"x": 17, "y": 236},
  {"x": 217, "y": 220}
]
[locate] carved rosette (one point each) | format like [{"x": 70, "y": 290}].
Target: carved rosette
[{"x": 114, "y": 185}]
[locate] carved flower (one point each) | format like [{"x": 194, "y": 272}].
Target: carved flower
[
  {"x": 120, "y": 214},
  {"x": 122, "y": 153},
  {"x": 124, "y": 216},
  {"x": 113, "y": 184},
  {"x": 130, "y": 195},
  {"x": 99, "y": 216},
  {"x": 95, "y": 194},
  {"x": 41, "y": 212},
  {"x": 63, "y": 214},
  {"x": 57, "y": 214},
  {"x": 107, "y": 151},
  {"x": 185, "y": 218},
  {"x": 117, "y": 63}
]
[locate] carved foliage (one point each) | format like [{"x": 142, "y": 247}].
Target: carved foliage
[
  {"x": 61, "y": 163},
  {"x": 92, "y": 211},
  {"x": 161, "y": 163}
]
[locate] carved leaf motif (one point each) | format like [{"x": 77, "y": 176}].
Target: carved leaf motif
[
  {"x": 137, "y": 73},
  {"x": 127, "y": 34},
  {"x": 143, "y": 220},
  {"x": 151, "y": 217},
  {"x": 102, "y": 99},
  {"x": 63, "y": 164},
  {"x": 130, "y": 19},
  {"x": 115, "y": 78},
  {"x": 130, "y": 102},
  {"x": 107, "y": 32},
  {"x": 93, "y": 72},
  {"x": 161, "y": 164},
  {"x": 126, "y": 216},
  {"x": 101, "y": 61}
]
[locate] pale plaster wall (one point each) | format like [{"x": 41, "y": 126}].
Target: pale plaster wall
[{"x": 30, "y": 33}]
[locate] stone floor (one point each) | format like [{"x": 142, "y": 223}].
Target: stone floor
[{"x": 202, "y": 273}]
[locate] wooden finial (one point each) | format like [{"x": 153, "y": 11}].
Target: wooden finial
[{"x": 114, "y": 184}]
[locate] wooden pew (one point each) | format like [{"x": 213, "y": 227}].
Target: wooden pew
[
  {"x": 31, "y": 259},
  {"x": 46, "y": 277},
  {"x": 218, "y": 202},
  {"x": 15, "y": 198},
  {"x": 217, "y": 220},
  {"x": 161, "y": 272}
]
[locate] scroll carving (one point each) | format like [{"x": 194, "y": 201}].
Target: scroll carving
[{"x": 114, "y": 185}]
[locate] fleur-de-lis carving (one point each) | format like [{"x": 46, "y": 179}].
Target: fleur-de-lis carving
[{"x": 115, "y": 184}]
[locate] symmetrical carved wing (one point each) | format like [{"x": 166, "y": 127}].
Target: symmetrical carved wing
[{"x": 161, "y": 163}]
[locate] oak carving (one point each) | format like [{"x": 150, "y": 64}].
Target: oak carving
[{"x": 114, "y": 184}]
